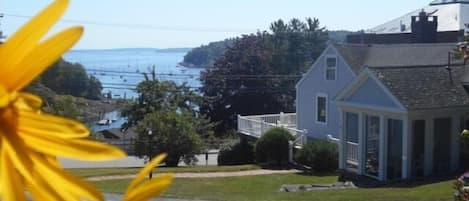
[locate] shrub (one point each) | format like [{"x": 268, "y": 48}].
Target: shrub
[
  {"x": 238, "y": 153},
  {"x": 272, "y": 147},
  {"x": 320, "y": 155}
]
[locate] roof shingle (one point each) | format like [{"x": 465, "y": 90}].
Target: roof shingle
[
  {"x": 359, "y": 56},
  {"x": 419, "y": 88}
]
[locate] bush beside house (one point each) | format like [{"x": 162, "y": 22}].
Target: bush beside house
[
  {"x": 320, "y": 155},
  {"x": 238, "y": 153},
  {"x": 272, "y": 147}
]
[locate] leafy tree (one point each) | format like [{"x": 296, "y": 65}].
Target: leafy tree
[
  {"x": 46, "y": 94},
  {"x": 170, "y": 111},
  {"x": 227, "y": 95},
  {"x": 71, "y": 79},
  {"x": 155, "y": 95},
  {"x": 94, "y": 88},
  {"x": 172, "y": 133},
  {"x": 258, "y": 73},
  {"x": 65, "y": 106}
]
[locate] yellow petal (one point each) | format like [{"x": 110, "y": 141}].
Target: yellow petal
[
  {"x": 4, "y": 97},
  {"x": 42, "y": 190},
  {"x": 66, "y": 183},
  {"x": 28, "y": 36},
  {"x": 49, "y": 125},
  {"x": 41, "y": 57},
  {"x": 13, "y": 146},
  {"x": 10, "y": 181},
  {"x": 149, "y": 189},
  {"x": 148, "y": 168},
  {"x": 81, "y": 149},
  {"x": 53, "y": 161},
  {"x": 31, "y": 101}
]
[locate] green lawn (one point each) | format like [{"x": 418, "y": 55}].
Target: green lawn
[
  {"x": 267, "y": 188},
  {"x": 94, "y": 172}
]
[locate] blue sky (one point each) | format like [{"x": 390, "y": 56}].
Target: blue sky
[{"x": 190, "y": 23}]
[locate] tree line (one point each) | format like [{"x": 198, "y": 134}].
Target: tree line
[
  {"x": 60, "y": 87},
  {"x": 206, "y": 55}
]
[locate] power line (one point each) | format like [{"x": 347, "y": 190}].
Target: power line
[
  {"x": 119, "y": 73},
  {"x": 143, "y": 26},
  {"x": 253, "y": 90}
]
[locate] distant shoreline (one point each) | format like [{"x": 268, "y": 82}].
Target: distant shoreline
[
  {"x": 189, "y": 65},
  {"x": 136, "y": 49}
]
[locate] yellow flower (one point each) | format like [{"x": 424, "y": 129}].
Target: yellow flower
[
  {"x": 30, "y": 141},
  {"x": 140, "y": 190}
]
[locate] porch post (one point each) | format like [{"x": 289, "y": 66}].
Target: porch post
[
  {"x": 455, "y": 142},
  {"x": 382, "y": 150},
  {"x": 406, "y": 141},
  {"x": 429, "y": 135},
  {"x": 361, "y": 144},
  {"x": 343, "y": 141}
]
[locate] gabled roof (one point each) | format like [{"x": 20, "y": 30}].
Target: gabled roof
[
  {"x": 116, "y": 134},
  {"x": 359, "y": 56},
  {"x": 419, "y": 88}
]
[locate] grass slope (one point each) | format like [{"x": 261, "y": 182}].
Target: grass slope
[
  {"x": 267, "y": 187},
  {"x": 95, "y": 172}
]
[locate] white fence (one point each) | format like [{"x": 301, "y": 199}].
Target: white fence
[
  {"x": 352, "y": 153},
  {"x": 256, "y": 125},
  {"x": 351, "y": 150}
]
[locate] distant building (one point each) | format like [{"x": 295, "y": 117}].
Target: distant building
[
  {"x": 423, "y": 29},
  {"x": 117, "y": 137},
  {"x": 453, "y": 15},
  {"x": 442, "y": 21}
]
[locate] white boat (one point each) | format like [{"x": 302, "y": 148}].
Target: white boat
[{"x": 104, "y": 122}]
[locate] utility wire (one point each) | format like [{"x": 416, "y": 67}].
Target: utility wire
[
  {"x": 143, "y": 26},
  {"x": 119, "y": 73}
]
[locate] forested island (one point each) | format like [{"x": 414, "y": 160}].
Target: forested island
[{"x": 206, "y": 55}]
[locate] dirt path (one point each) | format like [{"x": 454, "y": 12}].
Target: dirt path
[{"x": 203, "y": 174}]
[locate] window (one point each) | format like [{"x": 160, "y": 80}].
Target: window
[
  {"x": 321, "y": 109},
  {"x": 331, "y": 67},
  {"x": 372, "y": 145}
]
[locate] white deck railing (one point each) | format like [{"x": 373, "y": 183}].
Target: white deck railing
[
  {"x": 351, "y": 150},
  {"x": 256, "y": 125},
  {"x": 352, "y": 153}
]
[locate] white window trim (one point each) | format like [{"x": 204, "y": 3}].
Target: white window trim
[
  {"x": 326, "y": 67},
  {"x": 321, "y": 95}
]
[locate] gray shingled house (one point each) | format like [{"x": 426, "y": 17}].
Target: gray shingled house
[
  {"x": 339, "y": 65},
  {"x": 397, "y": 107},
  {"x": 401, "y": 116}
]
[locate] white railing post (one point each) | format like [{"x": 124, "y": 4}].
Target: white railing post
[
  {"x": 290, "y": 151},
  {"x": 240, "y": 127},
  {"x": 281, "y": 119},
  {"x": 262, "y": 129}
]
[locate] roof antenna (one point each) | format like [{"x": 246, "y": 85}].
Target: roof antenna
[{"x": 449, "y": 68}]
